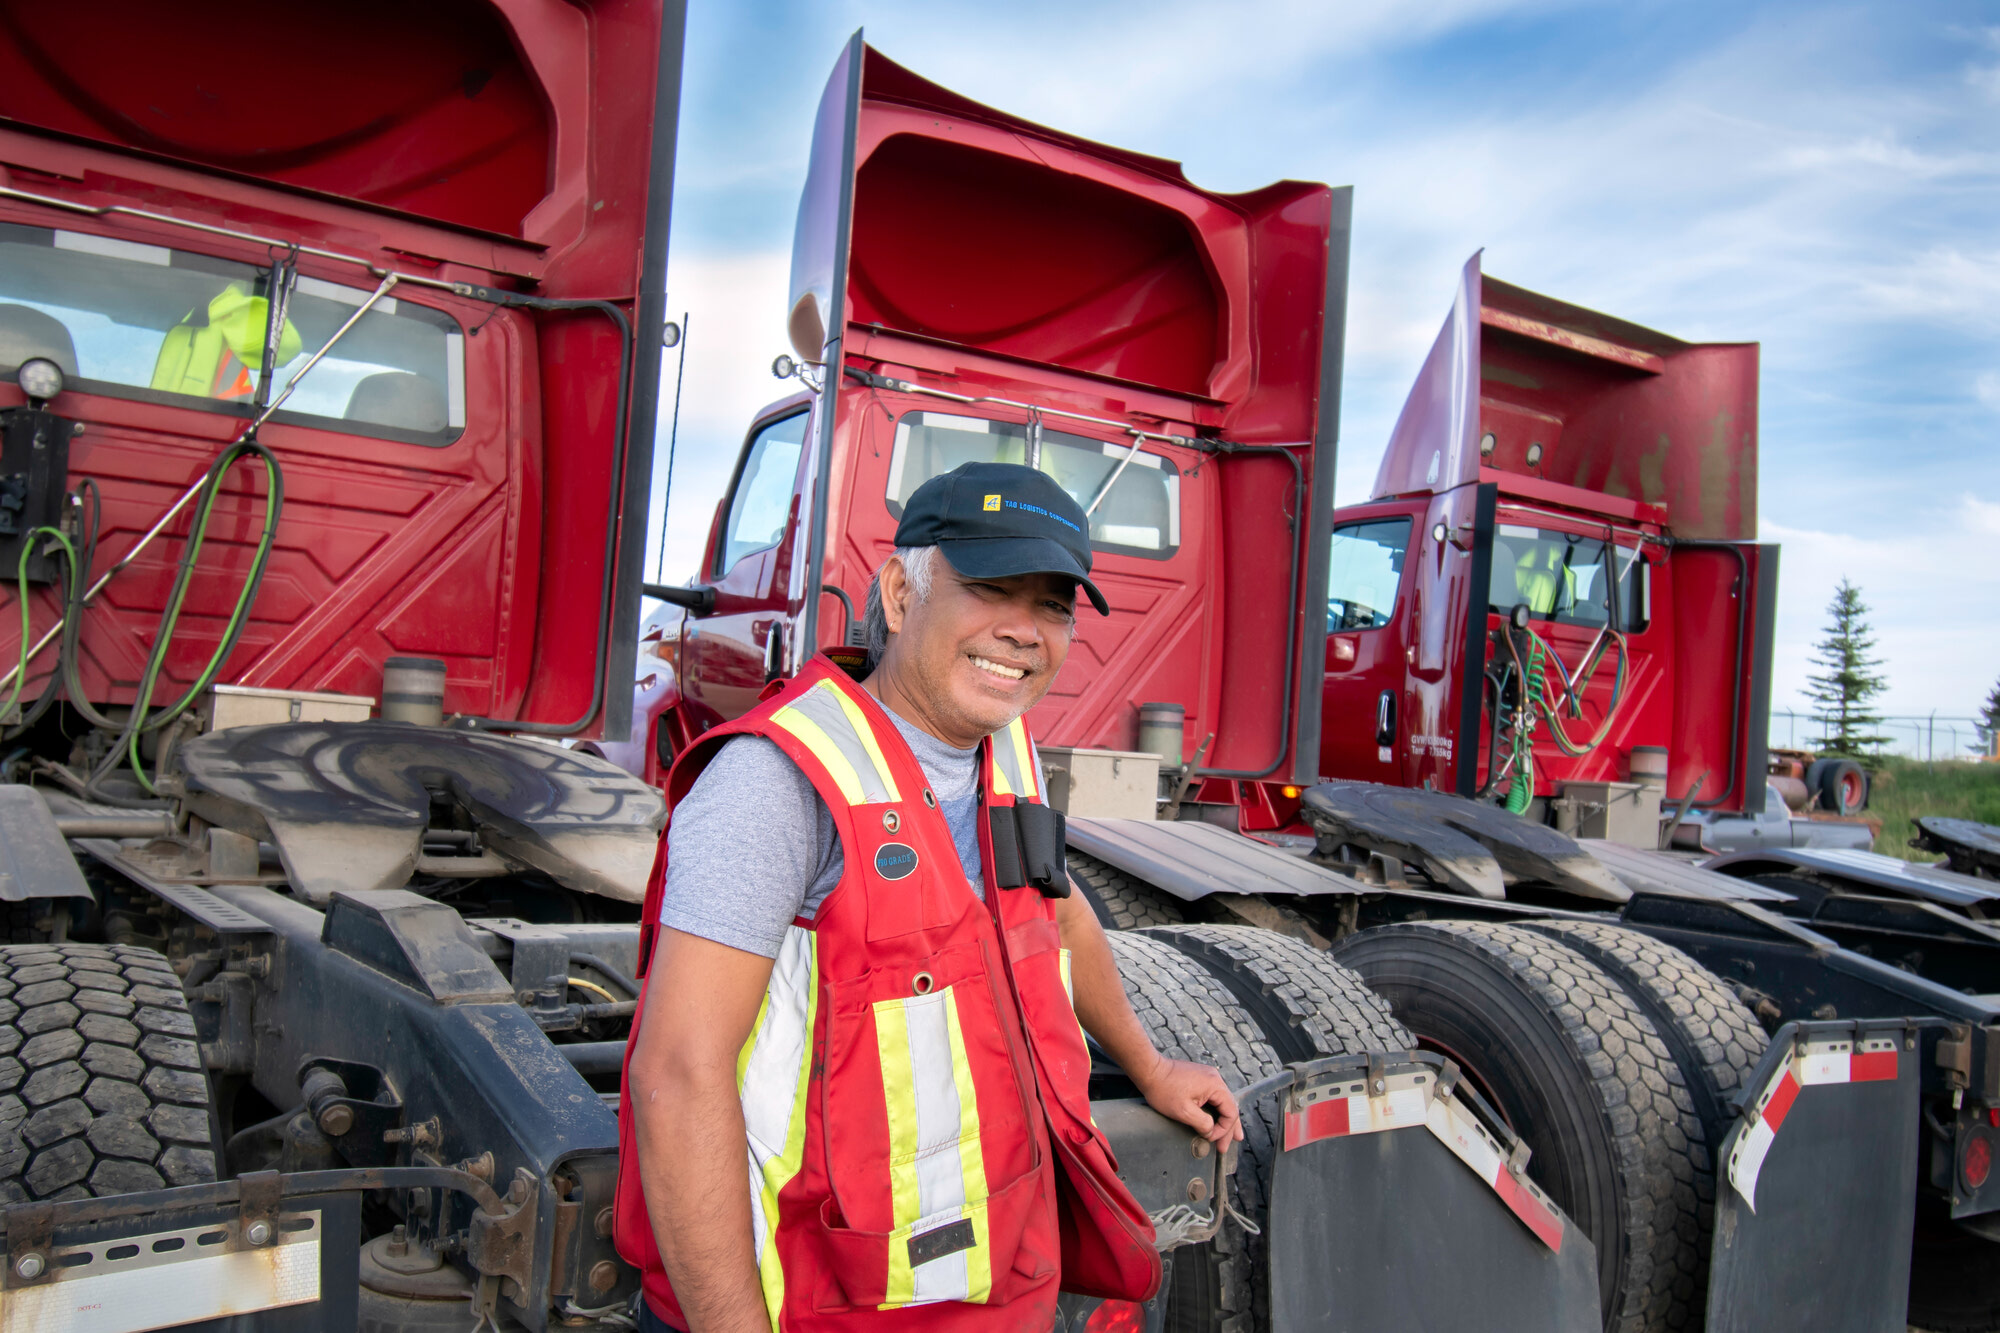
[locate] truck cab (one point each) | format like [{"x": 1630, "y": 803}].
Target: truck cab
[
  {"x": 971, "y": 287},
  {"x": 1591, "y": 484}
]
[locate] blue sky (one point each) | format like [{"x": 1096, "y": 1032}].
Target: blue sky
[{"x": 1822, "y": 179}]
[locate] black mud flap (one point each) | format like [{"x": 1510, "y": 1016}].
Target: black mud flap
[
  {"x": 1394, "y": 1205},
  {"x": 1814, "y": 1214}
]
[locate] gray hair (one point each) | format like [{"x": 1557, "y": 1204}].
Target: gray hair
[{"x": 874, "y": 624}]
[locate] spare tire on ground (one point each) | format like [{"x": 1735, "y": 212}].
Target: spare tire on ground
[
  {"x": 1190, "y": 1015},
  {"x": 1839, "y": 785},
  {"x": 1580, "y": 1073},
  {"x": 101, "y": 1084}
]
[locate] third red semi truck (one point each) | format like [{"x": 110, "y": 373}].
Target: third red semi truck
[{"x": 1550, "y": 621}]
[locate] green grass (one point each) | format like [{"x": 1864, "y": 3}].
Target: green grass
[{"x": 1907, "y": 788}]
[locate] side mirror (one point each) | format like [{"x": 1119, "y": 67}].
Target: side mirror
[{"x": 700, "y": 599}]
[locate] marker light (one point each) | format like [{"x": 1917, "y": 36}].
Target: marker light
[
  {"x": 40, "y": 378},
  {"x": 1291, "y": 793},
  {"x": 784, "y": 367}
]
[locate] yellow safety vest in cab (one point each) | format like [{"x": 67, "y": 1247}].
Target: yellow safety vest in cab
[{"x": 213, "y": 350}]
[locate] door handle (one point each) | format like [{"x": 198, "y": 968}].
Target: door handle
[
  {"x": 1385, "y": 718},
  {"x": 774, "y": 651}
]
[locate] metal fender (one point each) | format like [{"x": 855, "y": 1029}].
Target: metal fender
[
  {"x": 1399, "y": 1200},
  {"x": 1819, "y": 1188}
]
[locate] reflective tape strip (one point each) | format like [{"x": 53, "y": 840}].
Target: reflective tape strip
[
  {"x": 1408, "y": 1100},
  {"x": 858, "y": 720},
  {"x": 1335, "y": 1117},
  {"x": 772, "y": 1070},
  {"x": 1013, "y": 764},
  {"x": 1819, "y": 1064},
  {"x": 1454, "y": 1127},
  {"x": 820, "y": 720},
  {"x": 937, "y": 1176}
]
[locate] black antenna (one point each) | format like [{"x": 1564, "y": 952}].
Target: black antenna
[{"x": 673, "y": 434}]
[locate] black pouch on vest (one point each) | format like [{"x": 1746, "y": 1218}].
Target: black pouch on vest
[{"x": 1028, "y": 849}]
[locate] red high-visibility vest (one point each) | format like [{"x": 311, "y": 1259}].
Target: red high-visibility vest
[{"x": 916, "y": 1086}]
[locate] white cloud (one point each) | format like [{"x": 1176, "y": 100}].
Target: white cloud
[
  {"x": 1933, "y": 589},
  {"x": 1987, "y": 387}
]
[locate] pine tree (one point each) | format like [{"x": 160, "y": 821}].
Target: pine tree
[{"x": 1850, "y": 680}]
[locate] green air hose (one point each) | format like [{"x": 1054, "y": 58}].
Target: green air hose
[
  {"x": 170, "y": 617},
  {"x": 1522, "y": 789},
  {"x": 27, "y": 628}
]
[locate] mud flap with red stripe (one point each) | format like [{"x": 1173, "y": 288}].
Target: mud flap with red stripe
[
  {"x": 1818, "y": 1197},
  {"x": 1398, "y": 1201}
]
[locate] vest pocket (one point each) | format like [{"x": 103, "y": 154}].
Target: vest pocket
[{"x": 986, "y": 1253}]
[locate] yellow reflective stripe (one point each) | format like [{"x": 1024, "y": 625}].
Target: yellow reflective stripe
[
  {"x": 843, "y": 773},
  {"x": 1017, "y": 736},
  {"x": 937, "y": 1173},
  {"x": 1014, "y": 762},
  {"x": 772, "y": 1071},
  {"x": 867, "y": 734},
  {"x": 971, "y": 1164},
  {"x": 892, "y": 1038},
  {"x": 1001, "y": 787}
]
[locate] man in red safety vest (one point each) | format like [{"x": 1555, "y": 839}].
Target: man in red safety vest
[{"x": 856, "y": 1093}]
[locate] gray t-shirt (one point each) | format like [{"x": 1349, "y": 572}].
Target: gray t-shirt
[{"x": 752, "y": 844}]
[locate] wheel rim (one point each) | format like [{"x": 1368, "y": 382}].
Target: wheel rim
[{"x": 1850, "y": 792}]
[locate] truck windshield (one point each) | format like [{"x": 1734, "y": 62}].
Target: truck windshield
[
  {"x": 1561, "y": 578},
  {"x": 1141, "y": 516},
  {"x": 146, "y": 322},
  {"x": 1364, "y": 569}
]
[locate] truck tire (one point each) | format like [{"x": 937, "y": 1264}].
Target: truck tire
[
  {"x": 1120, "y": 901},
  {"x": 1839, "y": 785},
  {"x": 101, "y": 1084},
  {"x": 1308, "y": 1005},
  {"x": 1715, "y": 1040},
  {"x": 1217, "y": 1286},
  {"x": 1579, "y": 1072}
]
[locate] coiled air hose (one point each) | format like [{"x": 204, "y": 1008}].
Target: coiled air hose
[
  {"x": 142, "y": 720},
  {"x": 1535, "y": 707}
]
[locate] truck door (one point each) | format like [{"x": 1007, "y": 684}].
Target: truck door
[
  {"x": 1366, "y": 632},
  {"x": 728, "y": 655},
  {"x": 1445, "y": 652}
]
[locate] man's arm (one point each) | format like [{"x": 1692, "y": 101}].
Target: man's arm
[
  {"x": 1193, "y": 1094},
  {"x": 701, "y": 999}
]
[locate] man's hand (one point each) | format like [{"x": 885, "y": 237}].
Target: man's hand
[{"x": 1196, "y": 1096}]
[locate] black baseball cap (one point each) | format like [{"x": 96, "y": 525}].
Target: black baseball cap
[{"x": 996, "y": 520}]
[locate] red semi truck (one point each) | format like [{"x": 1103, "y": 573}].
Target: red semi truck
[{"x": 1554, "y": 590}]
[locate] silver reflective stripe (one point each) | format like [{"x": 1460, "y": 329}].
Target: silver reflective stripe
[
  {"x": 1008, "y": 761},
  {"x": 820, "y": 707},
  {"x": 771, "y": 1075}
]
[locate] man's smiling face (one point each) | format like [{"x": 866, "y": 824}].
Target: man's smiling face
[{"x": 976, "y": 653}]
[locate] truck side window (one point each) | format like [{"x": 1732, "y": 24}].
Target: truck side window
[
  {"x": 1563, "y": 577},
  {"x": 1364, "y": 569},
  {"x": 1140, "y": 515},
  {"x": 763, "y": 500},
  {"x": 177, "y": 327}
]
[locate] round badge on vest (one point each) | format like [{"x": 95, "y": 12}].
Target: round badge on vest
[{"x": 895, "y": 860}]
